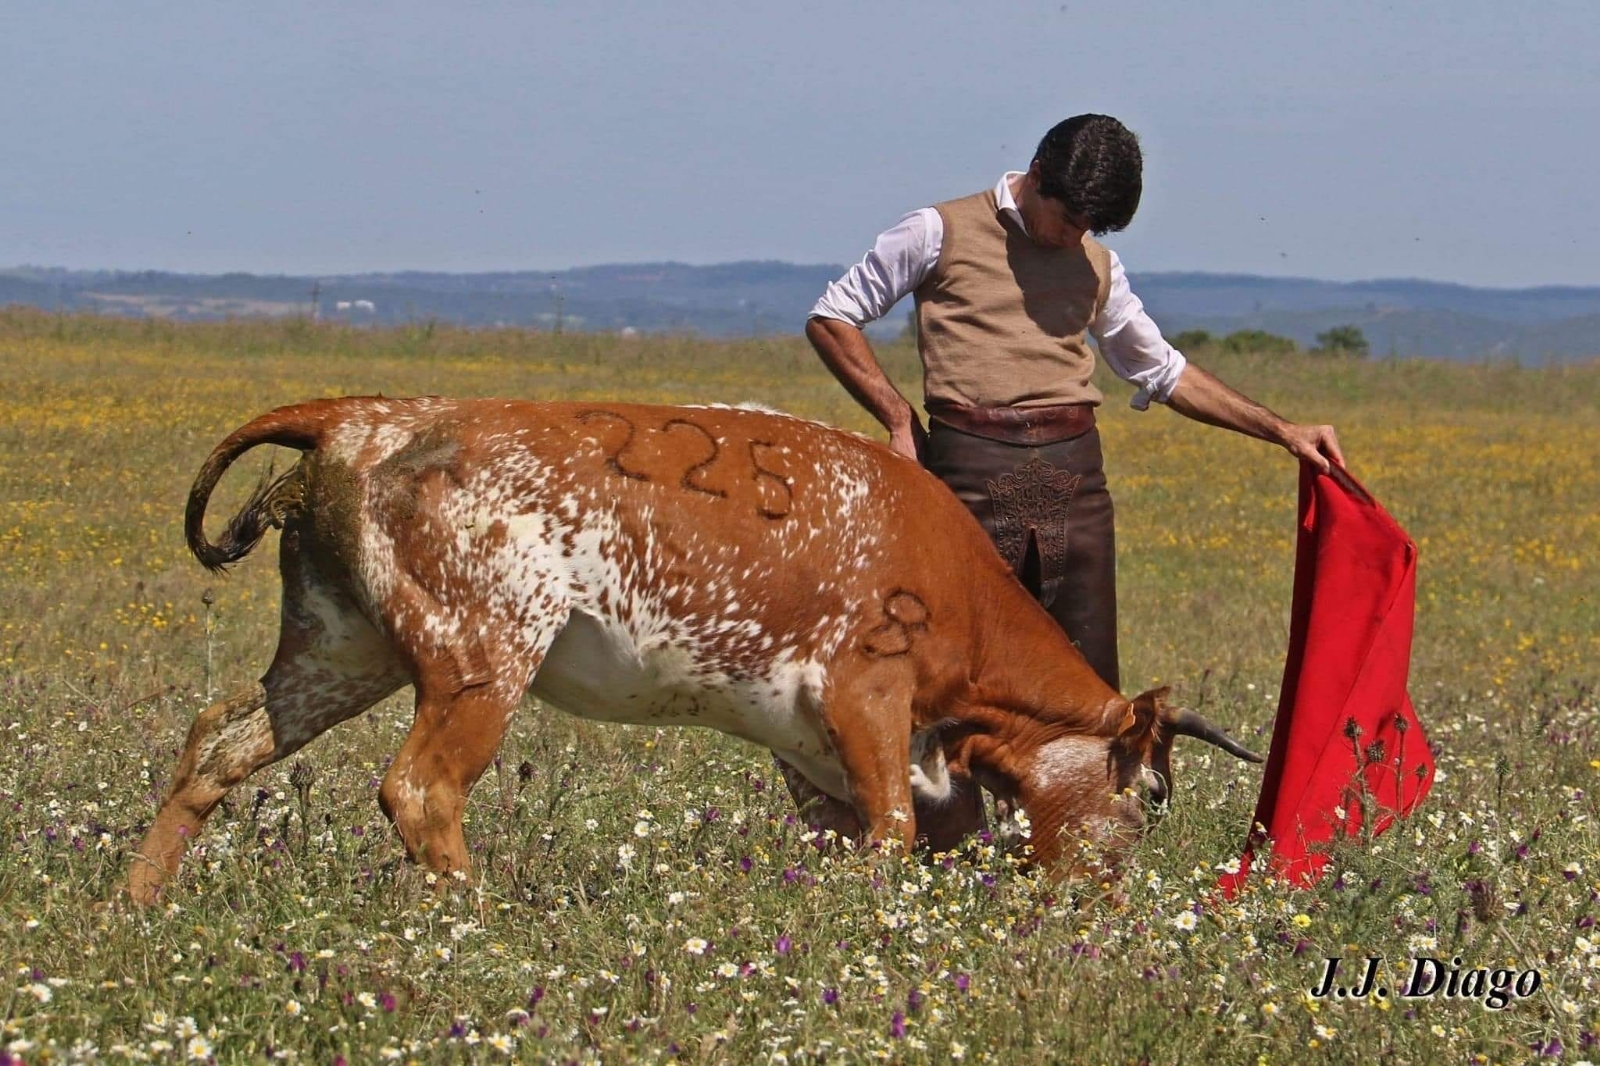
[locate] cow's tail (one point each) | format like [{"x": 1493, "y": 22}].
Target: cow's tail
[{"x": 300, "y": 426}]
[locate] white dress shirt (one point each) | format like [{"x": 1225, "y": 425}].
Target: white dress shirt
[{"x": 906, "y": 252}]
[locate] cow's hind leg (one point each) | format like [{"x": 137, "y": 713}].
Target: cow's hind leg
[
  {"x": 452, "y": 741},
  {"x": 322, "y": 674}
]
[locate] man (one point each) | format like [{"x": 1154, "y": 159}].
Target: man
[{"x": 1007, "y": 282}]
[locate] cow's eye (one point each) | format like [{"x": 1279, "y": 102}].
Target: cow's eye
[{"x": 1156, "y": 789}]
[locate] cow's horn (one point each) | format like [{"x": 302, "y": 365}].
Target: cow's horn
[{"x": 1188, "y": 723}]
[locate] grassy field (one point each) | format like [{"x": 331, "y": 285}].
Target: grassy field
[{"x": 645, "y": 895}]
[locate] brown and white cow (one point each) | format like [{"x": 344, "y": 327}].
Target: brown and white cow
[{"x": 792, "y": 584}]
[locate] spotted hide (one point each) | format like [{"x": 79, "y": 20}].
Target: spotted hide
[{"x": 797, "y": 586}]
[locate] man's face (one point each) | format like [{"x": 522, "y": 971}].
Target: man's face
[{"x": 1049, "y": 223}]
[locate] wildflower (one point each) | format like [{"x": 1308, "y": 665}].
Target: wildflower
[
  {"x": 1186, "y": 921},
  {"x": 199, "y": 1048},
  {"x": 695, "y": 946},
  {"x": 727, "y": 969},
  {"x": 1302, "y": 920},
  {"x": 958, "y": 1050},
  {"x": 293, "y": 1008},
  {"x": 40, "y": 992},
  {"x": 501, "y": 1043},
  {"x": 674, "y": 898},
  {"x": 367, "y": 1000},
  {"x": 641, "y": 828},
  {"x": 1269, "y": 1008},
  {"x": 625, "y": 854}
]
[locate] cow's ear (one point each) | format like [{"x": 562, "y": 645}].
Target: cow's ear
[
  {"x": 1130, "y": 719},
  {"x": 1144, "y": 712}
]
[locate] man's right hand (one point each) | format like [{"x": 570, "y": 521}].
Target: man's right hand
[
  {"x": 910, "y": 440},
  {"x": 845, "y": 351}
]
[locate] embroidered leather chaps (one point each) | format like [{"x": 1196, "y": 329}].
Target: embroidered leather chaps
[{"x": 1048, "y": 510}]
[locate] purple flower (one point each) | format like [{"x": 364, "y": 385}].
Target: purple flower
[
  {"x": 297, "y": 963},
  {"x": 535, "y": 996},
  {"x": 897, "y": 1025},
  {"x": 963, "y": 982},
  {"x": 745, "y": 864},
  {"x": 830, "y": 996},
  {"x": 1553, "y": 1049},
  {"x": 783, "y": 945},
  {"x": 914, "y": 1001},
  {"x": 1474, "y": 847},
  {"x": 387, "y": 1002}
]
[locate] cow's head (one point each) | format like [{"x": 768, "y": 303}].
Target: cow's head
[{"x": 1095, "y": 789}]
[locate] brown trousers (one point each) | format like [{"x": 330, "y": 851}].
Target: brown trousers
[{"x": 1049, "y": 512}]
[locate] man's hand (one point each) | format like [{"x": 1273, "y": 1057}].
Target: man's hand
[
  {"x": 910, "y": 440},
  {"x": 845, "y": 350},
  {"x": 1313, "y": 444}
]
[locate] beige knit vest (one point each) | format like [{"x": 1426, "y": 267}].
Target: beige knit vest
[{"x": 1000, "y": 320}]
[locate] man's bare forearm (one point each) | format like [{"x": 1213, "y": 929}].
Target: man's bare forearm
[
  {"x": 846, "y": 352},
  {"x": 1204, "y": 397}
]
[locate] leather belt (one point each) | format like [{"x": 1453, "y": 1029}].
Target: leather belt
[{"x": 1017, "y": 425}]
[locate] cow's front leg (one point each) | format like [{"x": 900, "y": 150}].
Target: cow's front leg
[
  {"x": 869, "y": 721},
  {"x": 816, "y": 808}
]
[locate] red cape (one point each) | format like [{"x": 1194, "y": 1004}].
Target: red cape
[{"x": 1346, "y": 740}]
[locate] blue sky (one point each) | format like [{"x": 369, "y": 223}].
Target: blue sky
[{"x": 1458, "y": 141}]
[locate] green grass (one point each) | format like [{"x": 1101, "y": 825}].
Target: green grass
[{"x": 604, "y": 855}]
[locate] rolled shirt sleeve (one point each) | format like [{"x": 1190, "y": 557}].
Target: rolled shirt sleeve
[
  {"x": 1132, "y": 345},
  {"x": 898, "y": 262}
]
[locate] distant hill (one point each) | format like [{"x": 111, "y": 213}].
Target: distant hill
[{"x": 1403, "y": 317}]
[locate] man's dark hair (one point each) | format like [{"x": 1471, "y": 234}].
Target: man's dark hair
[{"x": 1092, "y": 164}]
